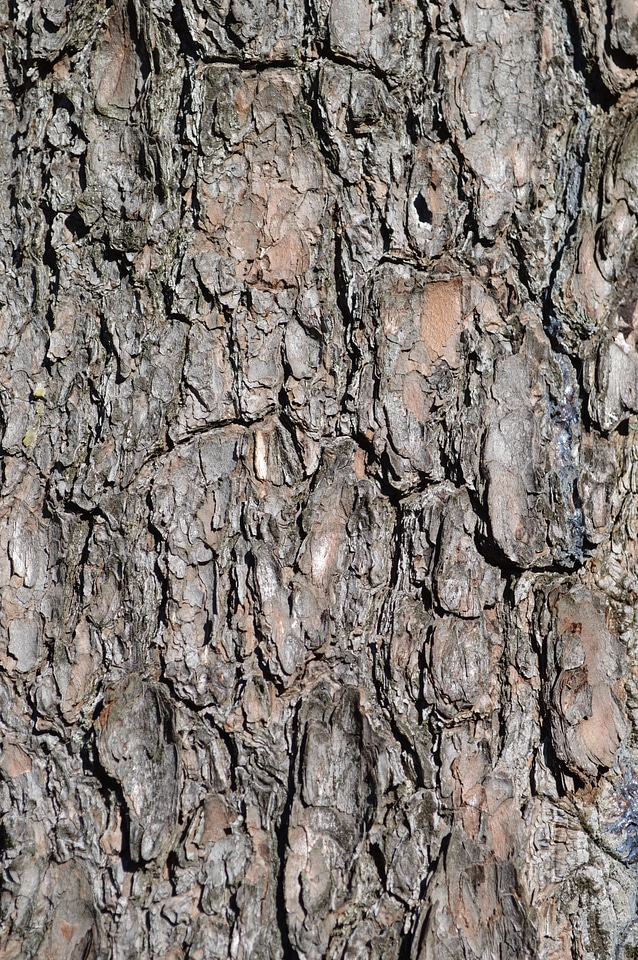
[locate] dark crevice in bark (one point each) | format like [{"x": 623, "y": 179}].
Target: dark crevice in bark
[
  {"x": 188, "y": 47},
  {"x": 624, "y": 60},
  {"x": 599, "y": 94},
  {"x": 282, "y": 839},
  {"x": 574, "y": 192},
  {"x": 112, "y": 796},
  {"x": 160, "y": 561}
]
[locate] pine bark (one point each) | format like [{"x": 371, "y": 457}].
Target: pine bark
[{"x": 319, "y": 479}]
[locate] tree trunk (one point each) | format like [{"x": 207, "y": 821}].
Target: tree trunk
[{"x": 319, "y": 503}]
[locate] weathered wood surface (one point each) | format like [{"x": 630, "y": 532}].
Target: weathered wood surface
[{"x": 319, "y": 479}]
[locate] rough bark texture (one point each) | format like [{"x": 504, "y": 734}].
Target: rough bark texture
[{"x": 319, "y": 503}]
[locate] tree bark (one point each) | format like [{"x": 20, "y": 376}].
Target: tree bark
[{"x": 319, "y": 490}]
